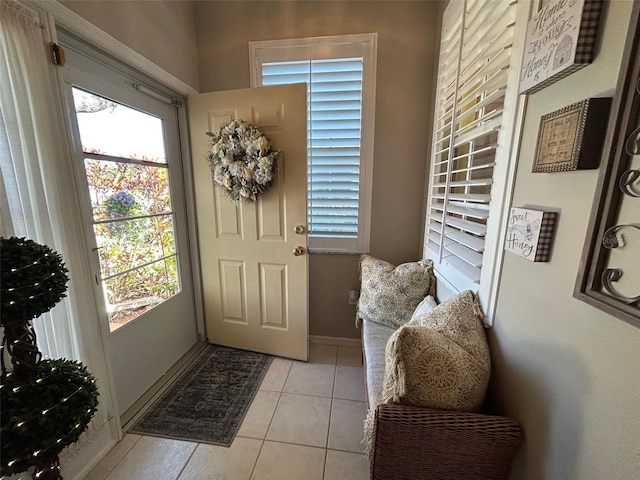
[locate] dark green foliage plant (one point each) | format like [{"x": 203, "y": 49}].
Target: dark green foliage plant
[
  {"x": 33, "y": 279},
  {"x": 41, "y": 417},
  {"x": 44, "y": 404}
]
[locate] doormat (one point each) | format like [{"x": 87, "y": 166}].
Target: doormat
[{"x": 209, "y": 400}]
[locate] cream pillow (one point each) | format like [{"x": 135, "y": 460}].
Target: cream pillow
[
  {"x": 390, "y": 294},
  {"x": 440, "y": 359},
  {"x": 425, "y": 306}
]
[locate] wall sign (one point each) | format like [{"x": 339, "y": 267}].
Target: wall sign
[
  {"x": 530, "y": 233},
  {"x": 561, "y": 39},
  {"x": 571, "y": 138}
]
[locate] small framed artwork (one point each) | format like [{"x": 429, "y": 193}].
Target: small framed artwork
[
  {"x": 571, "y": 138},
  {"x": 561, "y": 39},
  {"x": 530, "y": 233}
]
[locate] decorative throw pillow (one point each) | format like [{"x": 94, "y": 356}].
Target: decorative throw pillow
[
  {"x": 440, "y": 359},
  {"x": 390, "y": 294},
  {"x": 425, "y": 306}
]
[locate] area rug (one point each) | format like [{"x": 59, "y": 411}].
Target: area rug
[{"x": 208, "y": 402}]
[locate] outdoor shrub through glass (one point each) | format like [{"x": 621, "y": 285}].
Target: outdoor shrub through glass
[{"x": 127, "y": 174}]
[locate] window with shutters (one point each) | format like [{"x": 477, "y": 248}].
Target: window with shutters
[
  {"x": 475, "y": 123},
  {"x": 340, "y": 77}
]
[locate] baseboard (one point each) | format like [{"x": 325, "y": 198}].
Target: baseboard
[
  {"x": 336, "y": 341},
  {"x": 79, "y": 466}
]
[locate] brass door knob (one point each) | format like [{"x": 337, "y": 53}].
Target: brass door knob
[
  {"x": 299, "y": 229},
  {"x": 298, "y": 251}
]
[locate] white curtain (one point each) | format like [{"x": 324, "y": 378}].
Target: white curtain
[
  {"x": 33, "y": 157},
  {"x": 37, "y": 190}
]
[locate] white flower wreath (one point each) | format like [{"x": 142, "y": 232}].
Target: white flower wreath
[{"x": 241, "y": 160}]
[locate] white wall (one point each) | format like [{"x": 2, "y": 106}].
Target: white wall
[{"x": 567, "y": 372}]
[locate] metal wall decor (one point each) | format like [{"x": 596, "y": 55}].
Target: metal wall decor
[
  {"x": 571, "y": 138},
  {"x": 609, "y": 273}
]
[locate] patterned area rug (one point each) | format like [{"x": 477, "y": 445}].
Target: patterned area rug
[{"x": 209, "y": 400}]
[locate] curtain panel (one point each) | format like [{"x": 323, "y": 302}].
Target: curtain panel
[{"x": 37, "y": 187}]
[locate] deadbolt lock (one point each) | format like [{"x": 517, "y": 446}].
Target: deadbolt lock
[{"x": 299, "y": 229}]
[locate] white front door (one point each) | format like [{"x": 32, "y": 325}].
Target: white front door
[
  {"x": 128, "y": 161},
  {"x": 254, "y": 286}
]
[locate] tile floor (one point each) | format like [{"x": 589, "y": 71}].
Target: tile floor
[{"x": 305, "y": 423}]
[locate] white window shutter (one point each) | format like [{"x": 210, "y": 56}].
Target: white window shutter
[
  {"x": 334, "y": 89},
  {"x": 474, "y": 117},
  {"x": 340, "y": 90}
]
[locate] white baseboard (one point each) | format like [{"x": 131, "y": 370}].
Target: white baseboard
[
  {"x": 335, "y": 341},
  {"x": 79, "y": 466}
]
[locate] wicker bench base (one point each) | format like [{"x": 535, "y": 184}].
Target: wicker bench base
[{"x": 415, "y": 443}]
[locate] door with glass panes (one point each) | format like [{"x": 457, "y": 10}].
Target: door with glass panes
[{"x": 128, "y": 162}]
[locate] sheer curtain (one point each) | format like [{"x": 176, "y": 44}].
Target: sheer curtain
[{"x": 37, "y": 190}]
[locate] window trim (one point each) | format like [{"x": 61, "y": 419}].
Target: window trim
[{"x": 369, "y": 43}]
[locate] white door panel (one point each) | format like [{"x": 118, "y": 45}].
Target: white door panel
[{"x": 255, "y": 289}]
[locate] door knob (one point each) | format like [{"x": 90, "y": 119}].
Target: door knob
[
  {"x": 298, "y": 229},
  {"x": 298, "y": 251}
]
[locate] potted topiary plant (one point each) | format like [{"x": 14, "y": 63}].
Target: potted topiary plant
[{"x": 44, "y": 404}]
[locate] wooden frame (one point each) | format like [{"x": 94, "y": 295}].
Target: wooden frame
[
  {"x": 595, "y": 279},
  {"x": 571, "y": 138}
]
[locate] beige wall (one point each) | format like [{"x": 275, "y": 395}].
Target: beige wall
[
  {"x": 566, "y": 371},
  {"x": 406, "y": 55},
  {"x": 162, "y": 31}
]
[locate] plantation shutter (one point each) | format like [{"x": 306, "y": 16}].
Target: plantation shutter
[
  {"x": 340, "y": 73},
  {"x": 475, "y": 79},
  {"x": 334, "y": 90}
]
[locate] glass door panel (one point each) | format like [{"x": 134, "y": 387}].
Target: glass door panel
[
  {"x": 133, "y": 221},
  {"x": 109, "y": 128}
]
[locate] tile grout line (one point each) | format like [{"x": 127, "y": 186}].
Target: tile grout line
[
  {"x": 264, "y": 440},
  {"x": 187, "y": 462}
]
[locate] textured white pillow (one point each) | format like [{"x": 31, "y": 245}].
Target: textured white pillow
[
  {"x": 440, "y": 359},
  {"x": 425, "y": 306},
  {"x": 390, "y": 294}
]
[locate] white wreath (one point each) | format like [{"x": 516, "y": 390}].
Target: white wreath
[{"x": 241, "y": 160}]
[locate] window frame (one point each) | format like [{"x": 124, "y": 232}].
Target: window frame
[{"x": 313, "y": 48}]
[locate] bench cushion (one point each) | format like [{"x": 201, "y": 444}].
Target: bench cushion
[{"x": 374, "y": 342}]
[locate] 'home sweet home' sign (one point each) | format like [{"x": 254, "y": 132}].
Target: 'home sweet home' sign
[
  {"x": 561, "y": 39},
  {"x": 530, "y": 233}
]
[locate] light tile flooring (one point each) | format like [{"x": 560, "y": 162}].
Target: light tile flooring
[{"x": 305, "y": 423}]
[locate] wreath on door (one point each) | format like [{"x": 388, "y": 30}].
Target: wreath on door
[{"x": 242, "y": 160}]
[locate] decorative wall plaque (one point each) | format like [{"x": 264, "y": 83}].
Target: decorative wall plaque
[
  {"x": 571, "y": 138},
  {"x": 530, "y": 233},
  {"x": 561, "y": 39}
]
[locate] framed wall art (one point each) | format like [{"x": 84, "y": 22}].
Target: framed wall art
[
  {"x": 530, "y": 233},
  {"x": 571, "y": 138},
  {"x": 561, "y": 38}
]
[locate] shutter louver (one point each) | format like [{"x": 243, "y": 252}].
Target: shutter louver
[
  {"x": 334, "y": 90},
  {"x": 475, "y": 59}
]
